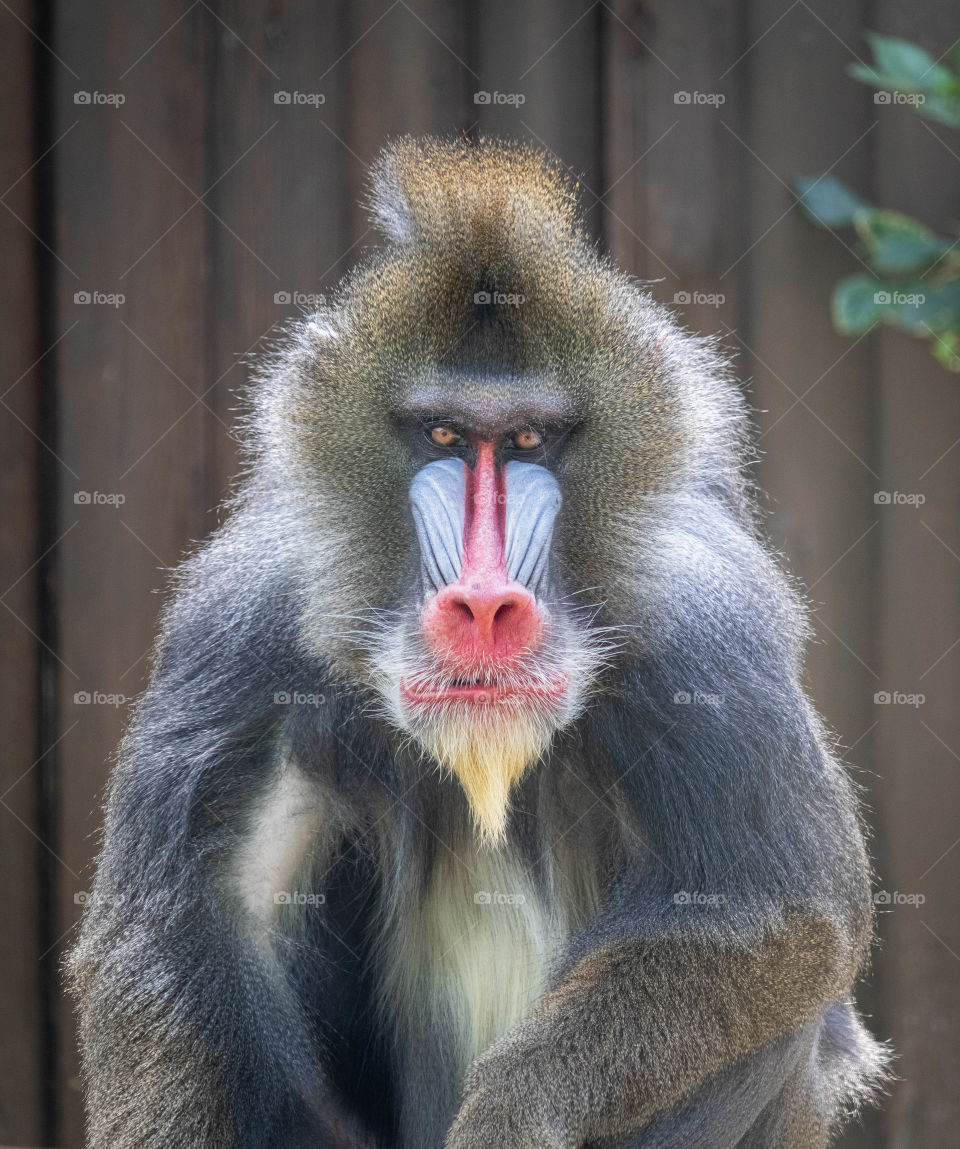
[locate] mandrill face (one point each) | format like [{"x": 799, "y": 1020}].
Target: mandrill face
[{"x": 491, "y": 663}]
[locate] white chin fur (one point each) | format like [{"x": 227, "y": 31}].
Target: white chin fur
[{"x": 488, "y": 746}]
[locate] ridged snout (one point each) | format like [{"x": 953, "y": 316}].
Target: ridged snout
[{"x": 485, "y": 536}]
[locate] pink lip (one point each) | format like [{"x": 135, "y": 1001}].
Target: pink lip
[{"x": 481, "y": 695}]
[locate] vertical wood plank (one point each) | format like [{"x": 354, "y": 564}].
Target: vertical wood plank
[
  {"x": 918, "y": 747},
  {"x": 546, "y": 55},
  {"x": 673, "y": 101},
  {"x": 133, "y": 439},
  {"x": 22, "y": 1062}
]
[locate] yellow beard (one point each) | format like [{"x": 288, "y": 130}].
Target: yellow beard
[{"x": 489, "y": 755}]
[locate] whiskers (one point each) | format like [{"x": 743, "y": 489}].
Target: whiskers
[
  {"x": 373, "y": 624},
  {"x": 490, "y": 721}
]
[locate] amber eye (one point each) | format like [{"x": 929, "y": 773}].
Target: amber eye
[
  {"x": 527, "y": 439},
  {"x": 445, "y": 436}
]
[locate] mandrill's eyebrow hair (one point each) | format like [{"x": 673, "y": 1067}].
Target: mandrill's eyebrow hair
[{"x": 489, "y": 406}]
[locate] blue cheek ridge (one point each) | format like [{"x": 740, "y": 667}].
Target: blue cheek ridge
[
  {"x": 533, "y": 499},
  {"x": 438, "y": 499}
]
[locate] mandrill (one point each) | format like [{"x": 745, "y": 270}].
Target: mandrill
[{"x": 475, "y": 801}]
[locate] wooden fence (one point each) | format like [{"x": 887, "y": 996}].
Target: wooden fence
[{"x": 177, "y": 174}]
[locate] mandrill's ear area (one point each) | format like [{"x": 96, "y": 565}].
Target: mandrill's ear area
[{"x": 430, "y": 190}]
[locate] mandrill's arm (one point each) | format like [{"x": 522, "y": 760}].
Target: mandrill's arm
[
  {"x": 192, "y": 1034},
  {"x": 638, "y": 1025}
]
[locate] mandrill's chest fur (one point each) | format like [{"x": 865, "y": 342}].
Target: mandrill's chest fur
[{"x": 469, "y": 940}]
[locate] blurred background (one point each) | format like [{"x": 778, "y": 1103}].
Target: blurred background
[{"x": 179, "y": 177}]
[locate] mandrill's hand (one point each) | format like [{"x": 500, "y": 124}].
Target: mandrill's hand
[{"x": 506, "y": 1106}]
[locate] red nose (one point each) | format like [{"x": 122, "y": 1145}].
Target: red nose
[{"x": 480, "y": 623}]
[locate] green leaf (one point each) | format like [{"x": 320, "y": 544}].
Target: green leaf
[
  {"x": 860, "y": 301},
  {"x": 898, "y": 243},
  {"x": 913, "y": 307},
  {"x": 944, "y": 108},
  {"x": 901, "y": 65},
  {"x": 828, "y": 201},
  {"x": 867, "y": 75},
  {"x": 917, "y": 305},
  {"x": 939, "y": 310},
  {"x": 929, "y": 312},
  {"x": 905, "y": 73},
  {"x": 946, "y": 349},
  {"x": 855, "y": 307},
  {"x": 899, "y": 57}
]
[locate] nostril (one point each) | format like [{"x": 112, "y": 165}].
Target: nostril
[
  {"x": 503, "y": 611},
  {"x": 462, "y": 608}
]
